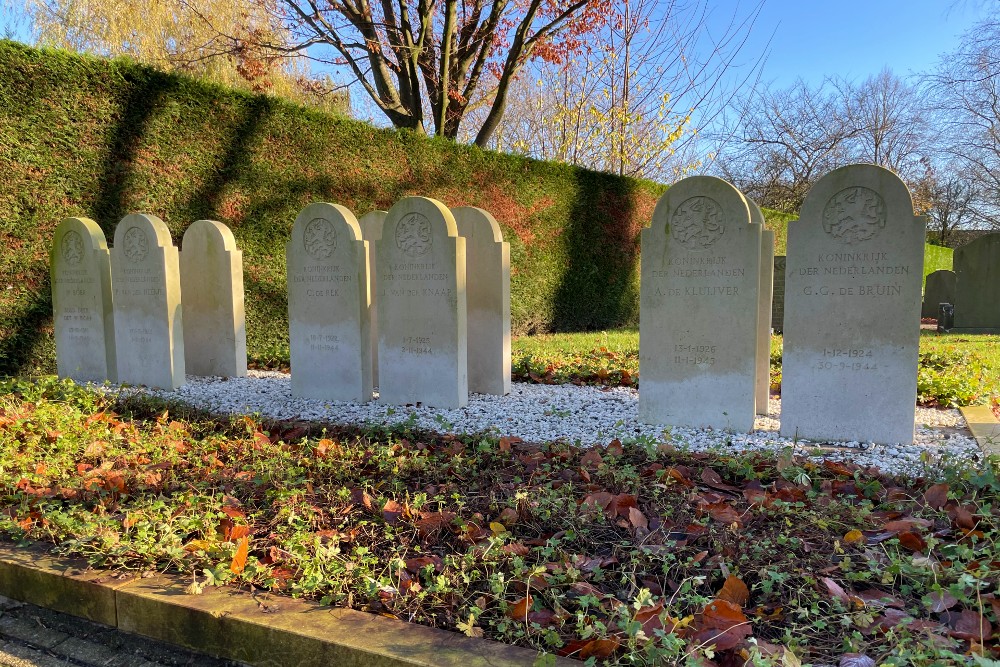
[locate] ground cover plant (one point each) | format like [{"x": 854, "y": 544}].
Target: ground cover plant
[
  {"x": 634, "y": 553},
  {"x": 954, "y": 369}
]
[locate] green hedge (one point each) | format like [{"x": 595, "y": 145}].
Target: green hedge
[{"x": 83, "y": 136}]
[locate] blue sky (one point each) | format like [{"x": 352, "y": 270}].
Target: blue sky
[{"x": 854, "y": 38}]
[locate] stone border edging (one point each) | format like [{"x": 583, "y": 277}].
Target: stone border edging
[
  {"x": 226, "y": 623},
  {"x": 984, "y": 426}
]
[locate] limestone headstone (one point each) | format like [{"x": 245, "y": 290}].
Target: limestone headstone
[
  {"x": 149, "y": 330},
  {"x": 487, "y": 297},
  {"x": 82, "y": 308},
  {"x": 762, "y": 385},
  {"x": 977, "y": 295},
  {"x": 778, "y": 298},
  {"x": 852, "y": 310},
  {"x": 700, "y": 278},
  {"x": 371, "y": 231},
  {"x": 327, "y": 263},
  {"x": 215, "y": 330},
  {"x": 939, "y": 287},
  {"x": 422, "y": 350}
]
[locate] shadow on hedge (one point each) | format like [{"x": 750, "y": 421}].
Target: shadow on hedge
[{"x": 598, "y": 288}]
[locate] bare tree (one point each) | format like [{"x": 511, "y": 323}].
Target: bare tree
[
  {"x": 889, "y": 121},
  {"x": 966, "y": 96},
  {"x": 629, "y": 102},
  {"x": 784, "y": 141}
]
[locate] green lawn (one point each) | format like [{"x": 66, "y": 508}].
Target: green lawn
[{"x": 955, "y": 369}]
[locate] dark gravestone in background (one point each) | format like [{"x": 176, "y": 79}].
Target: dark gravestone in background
[
  {"x": 778, "y": 300},
  {"x": 977, "y": 294},
  {"x": 940, "y": 288}
]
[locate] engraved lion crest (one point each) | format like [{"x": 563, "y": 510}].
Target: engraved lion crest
[
  {"x": 413, "y": 234},
  {"x": 136, "y": 244},
  {"x": 72, "y": 248},
  {"x": 319, "y": 238},
  {"x": 855, "y": 214},
  {"x": 697, "y": 223}
]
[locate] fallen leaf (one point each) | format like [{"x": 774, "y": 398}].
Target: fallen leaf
[
  {"x": 240, "y": 557},
  {"x": 519, "y": 610},
  {"x": 968, "y": 624},
  {"x": 712, "y": 479},
  {"x": 723, "y": 624},
  {"x": 936, "y": 496},
  {"x": 615, "y": 448},
  {"x": 735, "y": 591},
  {"x": 835, "y": 590},
  {"x": 855, "y": 660},
  {"x": 599, "y": 648},
  {"x": 912, "y": 541},
  {"x": 591, "y": 459},
  {"x": 941, "y": 601},
  {"x": 854, "y": 537},
  {"x": 391, "y": 512},
  {"x": 637, "y": 519}
]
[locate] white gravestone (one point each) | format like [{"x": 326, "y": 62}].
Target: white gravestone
[
  {"x": 215, "y": 330},
  {"x": 371, "y": 231},
  {"x": 852, "y": 310},
  {"x": 487, "y": 297},
  {"x": 328, "y": 333},
  {"x": 82, "y": 309},
  {"x": 763, "y": 384},
  {"x": 422, "y": 349},
  {"x": 149, "y": 330},
  {"x": 700, "y": 273}
]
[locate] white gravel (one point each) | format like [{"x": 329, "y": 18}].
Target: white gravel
[{"x": 586, "y": 415}]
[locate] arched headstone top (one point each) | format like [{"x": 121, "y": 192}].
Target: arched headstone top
[
  {"x": 138, "y": 232},
  {"x": 410, "y": 225},
  {"x": 320, "y": 227},
  {"x": 696, "y": 211},
  {"x": 756, "y": 215},
  {"x": 371, "y": 225},
  {"x": 75, "y": 236},
  {"x": 210, "y": 231},
  {"x": 472, "y": 218},
  {"x": 855, "y": 203}
]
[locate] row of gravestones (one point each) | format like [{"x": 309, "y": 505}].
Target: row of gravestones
[
  {"x": 120, "y": 316},
  {"x": 973, "y": 288},
  {"x": 852, "y": 280}
]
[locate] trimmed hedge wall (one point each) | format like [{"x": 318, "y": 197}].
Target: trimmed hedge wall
[{"x": 82, "y": 136}]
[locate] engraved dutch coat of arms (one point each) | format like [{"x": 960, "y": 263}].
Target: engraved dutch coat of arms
[
  {"x": 319, "y": 238},
  {"x": 854, "y": 214},
  {"x": 413, "y": 234},
  {"x": 697, "y": 223}
]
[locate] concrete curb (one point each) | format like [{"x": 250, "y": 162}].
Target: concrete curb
[
  {"x": 265, "y": 630},
  {"x": 984, "y": 426}
]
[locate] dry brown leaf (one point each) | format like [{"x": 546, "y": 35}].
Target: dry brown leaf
[
  {"x": 723, "y": 624},
  {"x": 392, "y": 512},
  {"x": 835, "y": 590},
  {"x": 942, "y": 601},
  {"x": 637, "y": 518},
  {"x": 519, "y": 610},
  {"x": 599, "y": 648},
  {"x": 936, "y": 496},
  {"x": 912, "y": 541},
  {"x": 592, "y": 459},
  {"x": 735, "y": 591},
  {"x": 968, "y": 624}
]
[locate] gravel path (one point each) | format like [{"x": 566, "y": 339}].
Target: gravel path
[{"x": 590, "y": 415}]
